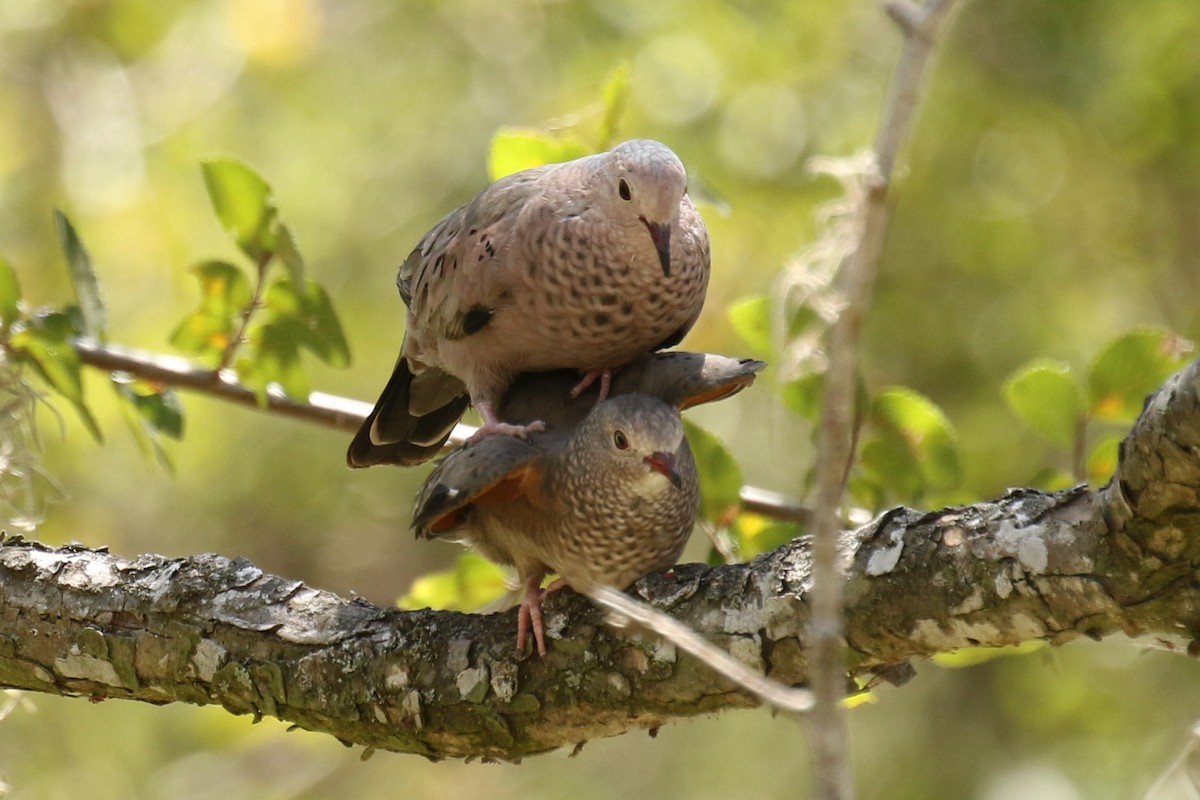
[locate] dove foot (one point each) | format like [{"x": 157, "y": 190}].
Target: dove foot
[
  {"x": 530, "y": 616},
  {"x": 605, "y": 376},
  {"x": 492, "y": 425}
]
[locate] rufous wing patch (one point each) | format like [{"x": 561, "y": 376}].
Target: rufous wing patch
[
  {"x": 716, "y": 392},
  {"x": 522, "y": 481}
]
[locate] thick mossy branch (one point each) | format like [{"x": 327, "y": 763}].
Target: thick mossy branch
[{"x": 208, "y": 629}]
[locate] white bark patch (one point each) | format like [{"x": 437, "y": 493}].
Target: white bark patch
[
  {"x": 741, "y": 620},
  {"x": 663, "y": 651},
  {"x": 89, "y": 573},
  {"x": 208, "y": 658},
  {"x": 748, "y": 650},
  {"x": 472, "y": 684},
  {"x": 457, "y": 655},
  {"x": 1025, "y": 544},
  {"x": 411, "y": 706},
  {"x": 955, "y": 633},
  {"x": 504, "y": 680},
  {"x": 884, "y": 559},
  {"x": 87, "y": 668},
  {"x": 397, "y": 678},
  {"x": 1004, "y": 585},
  {"x": 973, "y": 602},
  {"x": 619, "y": 684}
]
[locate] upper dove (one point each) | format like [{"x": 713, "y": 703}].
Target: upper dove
[{"x": 583, "y": 265}]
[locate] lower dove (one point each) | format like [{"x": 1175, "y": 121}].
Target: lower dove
[
  {"x": 583, "y": 265},
  {"x": 606, "y": 494}
]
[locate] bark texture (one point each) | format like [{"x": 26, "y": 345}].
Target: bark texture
[{"x": 208, "y": 629}]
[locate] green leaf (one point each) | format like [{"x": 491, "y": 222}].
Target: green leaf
[
  {"x": 755, "y": 534},
  {"x": 207, "y": 331},
  {"x": 1130, "y": 368},
  {"x": 1046, "y": 397},
  {"x": 242, "y": 201},
  {"x": 44, "y": 341},
  {"x": 289, "y": 253},
  {"x": 469, "y": 585},
  {"x": 151, "y": 411},
  {"x": 309, "y": 319},
  {"x": 83, "y": 278},
  {"x": 720, "y": 475},
  {"x": 892, "y": 469},
  {"x": 970, "y": 656},
  {"x": 273, "y": 356},
  {"x": 1102, "y": 460},
  {"x": 515, "y": 149},
  {"x": 157, "y": 405},
  {"x": 912, "y": 449},
  {"x": 1051, "y": 479},
  {"x": 10, "y": 294},
  {"x": 750, "y": 318},
  {"x": 803, "y": 395},
  {"x": 616, "y": 93}
]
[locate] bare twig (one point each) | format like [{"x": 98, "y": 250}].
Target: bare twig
[
  {"x": 247, "y": 313},
  {"x": 330, "y": 410},
  {"x": 831, "y": 759}
]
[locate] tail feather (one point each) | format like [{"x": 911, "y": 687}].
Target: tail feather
[{"x": 393, "y": 434}]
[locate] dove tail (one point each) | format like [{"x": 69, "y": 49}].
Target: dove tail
[{"x": 394, "y": 434}]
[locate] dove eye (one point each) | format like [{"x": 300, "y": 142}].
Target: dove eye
[
  {"x": 620, "y": 440},
  {"x": 623, "y": 189}
]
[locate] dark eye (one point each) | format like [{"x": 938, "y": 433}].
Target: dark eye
[
  {"x": 623, "y": 189},
  {"x": 620, "y": 440}
]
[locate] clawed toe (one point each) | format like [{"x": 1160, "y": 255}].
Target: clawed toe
[{"x": 505, "y": 429}]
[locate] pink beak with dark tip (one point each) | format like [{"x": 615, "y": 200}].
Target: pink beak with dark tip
[
  {"x": 660, "y": 234},
  {"x": 665, "y": 463}
]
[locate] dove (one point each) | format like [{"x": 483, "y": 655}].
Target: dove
[
  {"x": 583, "y": 265},
  {"x": 608, "y": 492}
]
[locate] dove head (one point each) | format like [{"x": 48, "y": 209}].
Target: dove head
[
  {"x": 648, "y": 183},
  {"x": 638, "y": 441}
]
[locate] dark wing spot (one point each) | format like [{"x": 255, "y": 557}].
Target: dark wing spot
[{"x": 476, "y": 319}]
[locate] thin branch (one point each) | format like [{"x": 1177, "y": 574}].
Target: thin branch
[
  {"x": 340, "y": 413},
  {"x": 255, "y": 303},
  {"x": 831, "y": 758}
]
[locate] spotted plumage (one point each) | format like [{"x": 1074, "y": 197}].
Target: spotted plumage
[
  {"x": 607, "y": 493},
  {"x": 583, "y": 265}
]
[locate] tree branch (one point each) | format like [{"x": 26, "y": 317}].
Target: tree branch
[
  {"x": 340, "y": 413},
  {"x": 835, "y": 447},
  {"x": 207, "y": 629}
]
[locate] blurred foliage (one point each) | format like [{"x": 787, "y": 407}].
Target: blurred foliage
[
  {"x": 1048, "y": 397},
  {"x": 472, "y": 583},
  {"x": 1047, "y": 205}
]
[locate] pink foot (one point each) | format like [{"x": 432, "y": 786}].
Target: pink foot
[
  {"x": 605, "y": 376},
  {"x": 492, "y": 424},
  {"x": 530, "y": 615}
]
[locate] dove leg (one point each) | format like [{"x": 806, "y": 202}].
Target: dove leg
[
  {"x": 530, "y": 615},
  {"x": 605, "y": 376},
  {"x": 493, "y": 425}
]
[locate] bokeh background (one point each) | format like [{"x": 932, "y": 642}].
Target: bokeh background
[{"x": 1050, "y": 200}]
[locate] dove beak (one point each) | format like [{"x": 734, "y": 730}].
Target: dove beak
[
  {"x": 665, "y": 463},
  {"x": 660, "y": 234}
]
